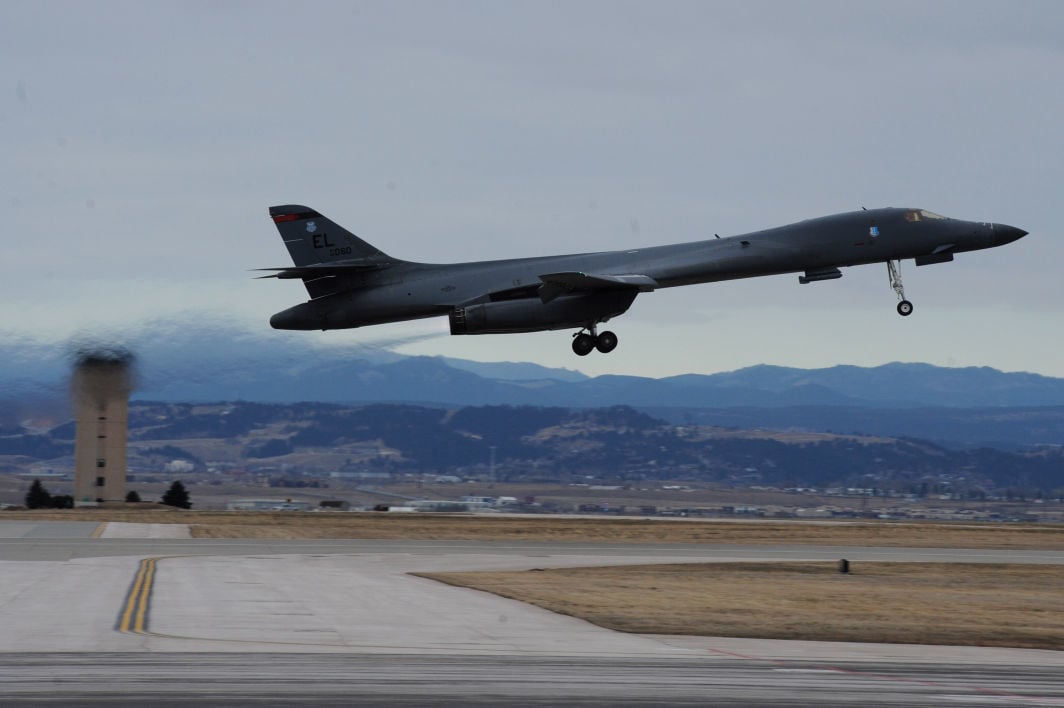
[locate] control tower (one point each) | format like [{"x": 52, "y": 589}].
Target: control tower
[{"x": 100, "y": 386}]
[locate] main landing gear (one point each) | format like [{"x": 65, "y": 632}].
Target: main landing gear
[
  {"x": 585, "y": 341},
  {"x": 905, "y": 308}
]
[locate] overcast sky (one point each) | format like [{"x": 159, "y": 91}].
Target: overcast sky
[{"x": 143, "y": 142}]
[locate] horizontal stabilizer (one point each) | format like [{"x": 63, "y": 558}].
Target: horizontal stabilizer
[
  {"x": 320, "y": 271},
  {"x": 555, "y": 284}
]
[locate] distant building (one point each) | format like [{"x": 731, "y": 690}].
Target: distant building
[
  {"x": 47, "y": 474},
  {"x": 267, "y": 505},
  {"x": 817, "y": 513},
  {"x": 447, "y": 505},
  {"x": 483, "y": 501},
  {"x": 334, "y": 505},
  {"x": 344, "y": 474}
]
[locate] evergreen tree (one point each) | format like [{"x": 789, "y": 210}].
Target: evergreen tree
[
  {"x": 132, "y": 496},
  {"x": 177, "y": 496},
  {"x": 38, "y": 497},
  {"x": 62, "y": 501}
]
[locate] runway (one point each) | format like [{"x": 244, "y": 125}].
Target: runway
[
  {"x": 337, "y": 622},
  {"x": 301, "y": 679}
]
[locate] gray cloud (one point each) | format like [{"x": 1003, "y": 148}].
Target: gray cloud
[{"x": 145, "y": 142}]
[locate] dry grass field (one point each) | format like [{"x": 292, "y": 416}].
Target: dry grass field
[
  {"x": 911, "y": 603},
  {"x": 314, "y": 525}
]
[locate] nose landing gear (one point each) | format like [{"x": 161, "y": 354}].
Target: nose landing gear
[
  {"x": 905, "y": 308},
  {"x": 585, "y": 341}
]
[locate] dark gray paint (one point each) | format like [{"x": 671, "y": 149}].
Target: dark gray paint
[{"x": 354, "y": 284}]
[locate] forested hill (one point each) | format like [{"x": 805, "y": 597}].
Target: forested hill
[{"x": 615, "y": 444}]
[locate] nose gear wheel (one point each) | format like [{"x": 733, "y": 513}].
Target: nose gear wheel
[{"x": 905, "y": 308}]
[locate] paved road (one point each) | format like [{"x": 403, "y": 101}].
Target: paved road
[{"x": 84, "y": 622}]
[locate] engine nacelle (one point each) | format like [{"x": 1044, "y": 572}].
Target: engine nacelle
[{"x": 533, "y": 315}]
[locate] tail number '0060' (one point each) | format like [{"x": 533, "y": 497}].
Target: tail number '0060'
[{"x": 342, "y": 251}]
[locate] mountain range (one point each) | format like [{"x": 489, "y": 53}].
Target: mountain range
[
  {"x": 305, "y": 443},
  {"x": 195, "y": 363}
]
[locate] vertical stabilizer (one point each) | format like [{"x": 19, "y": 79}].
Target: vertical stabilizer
[{"x": 312, "y": 238}]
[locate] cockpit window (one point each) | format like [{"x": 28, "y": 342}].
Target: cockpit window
[{"x": 921, "y": 214}]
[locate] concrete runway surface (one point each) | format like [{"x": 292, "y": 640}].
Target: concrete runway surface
[{"x": 131, "y": 614}]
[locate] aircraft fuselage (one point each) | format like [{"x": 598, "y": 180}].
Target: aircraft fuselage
[{"x": 401, "y": 290}]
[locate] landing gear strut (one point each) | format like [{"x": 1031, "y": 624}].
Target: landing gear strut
[
  {"x": 585, "y": 341},
  {"x": 905, "y": 308}
]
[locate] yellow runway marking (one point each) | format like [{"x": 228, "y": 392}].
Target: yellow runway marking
[
  {"x": 134, "y": 616},
  {"x": 100, "y": 528}
]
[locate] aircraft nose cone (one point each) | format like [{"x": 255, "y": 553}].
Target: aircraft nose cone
[{"x": 1003, "y": 233}]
